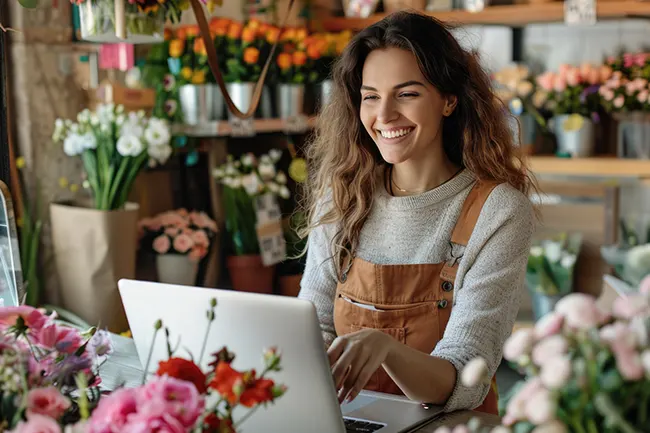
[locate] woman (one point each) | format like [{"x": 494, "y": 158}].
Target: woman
[{"x": 420, "y": 222}]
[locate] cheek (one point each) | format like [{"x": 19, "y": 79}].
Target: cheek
[{"x": 367, "y": 118}]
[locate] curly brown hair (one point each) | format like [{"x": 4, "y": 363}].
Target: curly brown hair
[{"x": 343, "y": 158}]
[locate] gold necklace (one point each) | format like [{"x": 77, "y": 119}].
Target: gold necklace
[{"x": 405, "y": 191}]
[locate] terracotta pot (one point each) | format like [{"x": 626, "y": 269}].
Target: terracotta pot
[
  {"x": 290, "y": 285},
  {"x": 248, "y": 274}
]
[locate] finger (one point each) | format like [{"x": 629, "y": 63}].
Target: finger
[
  {"x": 342, "y": 367},
  {"x": 362, "y": 381},
  {"x": 336, "y": 349},
  {"x": 359, "y": 364}
]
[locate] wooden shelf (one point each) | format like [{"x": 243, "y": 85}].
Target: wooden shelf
[
  {"x": 590, "y": 167},
  {"x": 223, "y": 128},
  {"x": 509, "y": 15}
]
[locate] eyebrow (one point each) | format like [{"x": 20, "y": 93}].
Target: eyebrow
[{"x": 398, "y": 86}]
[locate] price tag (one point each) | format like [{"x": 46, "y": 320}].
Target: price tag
[
  {"x": 269, "y": 230},
  {"x": 296, "y": 124},
  {"x": 242, "y": 127},
  {"x": 580, "y": 12}
]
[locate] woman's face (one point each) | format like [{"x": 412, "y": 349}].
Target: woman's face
[{"x": 400, "y": 109}]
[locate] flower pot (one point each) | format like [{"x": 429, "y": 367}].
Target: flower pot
[
  {"x": 176, "y": 269},
  {"x": 242, "y": 96},
  {"x": 201, "y": 103},
  {"x": 290, "y": 285},
  {"x": 291, "y": 100},
  {"x": 633, "y": 135},
  {"x": 524, "y": 129},
  {"x": 248, "y": 274},
  {"x": 575, "y": 135},
  {"x": 93, "y": 250},
  {"x": 99, "y": 22},
  {"x": 323, "y": 93}
]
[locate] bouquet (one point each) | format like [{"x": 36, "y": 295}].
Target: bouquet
[
  {"x": 551, "y": 263},
  {"x": 114, "y": 146},
  {"x": 586, "y": 371},
  {"x": 631, "y": 65},
  {"x": 623, "y": 95},
  {"x": 247, "y": 47},
  {"x": 179, "y": 232},
  {"x": 243, "y": 181},
  {"x": 322, "y": 50},
  {"x": 48, "y": 370},
  {"x": 291, "y": 63}
]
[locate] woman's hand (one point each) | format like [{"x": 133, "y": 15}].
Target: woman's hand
[{"x": 355, "y": 357}]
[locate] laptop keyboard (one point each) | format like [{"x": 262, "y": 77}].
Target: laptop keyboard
[{"x": 359, "y": 426}]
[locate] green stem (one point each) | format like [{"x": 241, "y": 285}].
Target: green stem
[
  {"x": 153, "y": 341},
  {"x": 245, "y": 417},
  {"x": 116, "y": 181}
]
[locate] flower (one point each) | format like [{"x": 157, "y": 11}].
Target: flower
[
  {"x": 100, "y": 344},
  {"x": 555, "y": 372},
  {"x": 549, "y": 324},
  {"x": 113, "y": 411},
  {"x": 553, "y": 426},
  {"x": 185, "y": 370},
  {"x": 644, "y": 287},
  {"x": 176, "y": 397},
  {"x": 129, "y": 145},
  {"x": 30, "y": 316},
  {"x": 161, "y": 244},
  {"x": 153, "y": 417},
  {"x": 183, "y": 243},
  {"x": 47, "y": 401},
  {"x": 475, "y": 372},
  {"x": 626, "y": 307},
  {"x": 579, "y": 311},
  {"x": 157, "y": 133},
  {"x": 549, "y": 348},
  {"x": 224, "y": 380},
  {"x": 38, "y": 424},
  {"x": 540, "y": 407},
  {"x": 520, "y": 343}
]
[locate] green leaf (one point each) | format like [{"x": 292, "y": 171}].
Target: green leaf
[{"x": 31, "y": 4}]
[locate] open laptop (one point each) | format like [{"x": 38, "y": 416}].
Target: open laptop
[{"x": 247, "y": 324}]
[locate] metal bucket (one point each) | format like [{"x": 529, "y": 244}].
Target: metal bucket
[
  {"x": 242, "y": 96},
  {"x": 577, "y": 143},
  {"x": 633, "y": 135},
  {"x": 291, "y": 100},
  {"x": 324, "y": 93},
  {"x": 199, "y": 103}
]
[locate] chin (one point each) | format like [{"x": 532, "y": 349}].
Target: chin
[{"x": 393, "y": 158}]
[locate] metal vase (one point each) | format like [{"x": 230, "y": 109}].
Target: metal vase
[
  {"x": 242, "y": 96},
  {"x": 199, "y": 103},
  {"x": 578, "y": 143},
  {"x": 291, "y": 100},
  {"x": 633, "y": 135}
]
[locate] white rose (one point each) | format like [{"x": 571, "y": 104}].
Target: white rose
[
  {"x": 157, "y": 133},
  {"x": 129, "y": 145},
  {"x": 160, "y": 153}
]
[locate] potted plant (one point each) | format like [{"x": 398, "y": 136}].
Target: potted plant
[
  {"x": 95, "y": 240},
  {"x": 245, "y": 180},
  {"x": 570, "y": 98},
  {"x": 290, "y": 271},
  {"x": 292, "y": 72},
  {"x": 322, "y": 50},
  {"x": 550, "y": 270},
  {"x": 180, "y": 239}
]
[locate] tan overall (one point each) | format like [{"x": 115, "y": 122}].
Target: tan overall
[{"x": 413, "y": 302}]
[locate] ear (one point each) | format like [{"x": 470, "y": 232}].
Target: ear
[{"x": 450, "y": 105}]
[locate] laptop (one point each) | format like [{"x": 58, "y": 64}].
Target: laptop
[{"x": 248, "y": 323}]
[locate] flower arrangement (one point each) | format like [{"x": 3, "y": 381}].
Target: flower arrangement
[
  {"x": 551, "y": 263},
  {"x": 572, "y": 90},
  {"x": 114, "y": 146},
  {"x": 48, "y": 370},
  {"x": 322, "y": 49},
  {"x": 179, "y": 232},
  {"x": 623, "y": 95},
  {"x": 291, "y": 62},
  {"x": 631, "y": 65},
  {"x": 247, "y": 47},
  {"x": 586, "y": 371},
  {"x": 243, "y": 180}
]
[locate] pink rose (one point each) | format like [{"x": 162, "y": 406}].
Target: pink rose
[
  {"x": 573, "y": 77},
  {"x": 520, "y": 343},
  {"x": 559, "y": 85},
  {"x": 202, "y": 220},
  {"x": 47, "y": 401},
  {"x": 113, "y": 411},
  {"x": 172, "y": 231},
  {"x": 563, "y": 69},
  {"x": 198, "y": 252},
  {"x": 628, "y": 362},
  {"x": 548, "y": 325},
  {"x": 626, "y": 307},
  {"x": 200, "y": 238},
  {"x": 580, "y": 311},
  {"x": 153, "y": 417},
  {"x": 183, "y": 243},
  {"x": 556, "y": 372},
  {"x": 619, "y": 101},
  {"x": 152, "y": 224},
  {"x": 161, "y": 244},
  {"x": 605, "y": 73},
  {"x": 548, "y": 348},
  {"x": 644, "y": 287},
  {"x": 175, "y": 397},
  {"x": 38, "y": 424},
  {"x": 546, "y": 80},
  {"x": 540, "y": 407},
  {"x": 594, "y": 77},
  {"x": 642, "y": 97}
]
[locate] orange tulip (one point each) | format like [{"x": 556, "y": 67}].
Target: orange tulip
[
  {"x": 192, "y": 31},
  {"x": 314, "y": 51},
  {"x": 248, "y": 35},
  {"x": 253, "y": 24},
  {"x": 181, "y": 32},
  {"x": 284, "y": 61},
  {"x": 272, "y": 35},
  {"x": 176, "y": 47},
  {"x": 199, "y": 47},
  {"x": 221, "y": 31},
  {"x": 299, "y": 58},
  {"x": 251, "y": 55},
  {"x": 234, "y": 30},
  {"x": 301, "y": 34},
  {"x": 288, "y": 35}
]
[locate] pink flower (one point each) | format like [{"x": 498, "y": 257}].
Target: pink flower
[
  {"x": 594, "y": 77},
  {"x": 573, "y": 77},
  {"x": 619, "y": 101},
  {"x": 554, "y": 426},
  {"x": 172, "y": 219},
  {"x": 517, "y": 405},
  {"x": 47, "y": 401},
  {"x": 202, "y": 220},
  {"x": 183, "y": 243},
  {"x": 161, "y": 244},
  {"x": 461, "y": 428},
  {"x": 38, "y": 424},
  {"x": 198, "y": 252},
  {"x": 546, "y": 80},
  {"x": 508, "y": 420},
  {"x": 563, "y": 69},
  {"x": 175, "y": 397},
  {"x": 548, "y": 325},
  {"x": 556, "y": 372},
  {"x": 172, "y": 231},
  {"x": 64, "y": 338},
  {"x": 628, "y": 362},
  {"x": 200, "y": 238},
  {"x": 33, "y": 318},
  {"x": 559, "y": 84},
  {"x": 519, "y": 344},
  {"x": 580, "y": 311},
  {"x": 605, "y": 73},
  {"x": 540, "y": 407},
  {"x": 644, "y": 287},
  {"x": 618, "y": 333},
  {"x": 548, "y": 348},
  {"x": 626, "y": 307},
  {"x": 153, "y": 417},
  {"x": 152, "y": 224},
  {"x": 113, "y": 411}
]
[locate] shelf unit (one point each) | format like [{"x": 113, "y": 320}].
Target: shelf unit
[
  {"x": 517, "y": 15},
  {"x": 223, "y": 128}
]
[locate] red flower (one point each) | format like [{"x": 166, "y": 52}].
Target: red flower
[
  {"x": 183, "y": 369},
  {"x": 224, "y": 381},
  {"x": 214, "y": 424},
  {"x": 245, "y": 387},
  {"x": 256, "y": 392}
]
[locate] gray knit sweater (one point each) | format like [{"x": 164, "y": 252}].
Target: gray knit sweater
[{"x": 417, "y": 229}]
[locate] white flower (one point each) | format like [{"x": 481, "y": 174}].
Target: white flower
[
  {"x": 119, "y": 120},
  {"x": 275, "y": 155},
  {"x": 553, "y": 251},
  {"x": 160, "y": 153},
  {"x": 568, "y": 260},
  {"x": 218, "y": 173},
  {"x": 266, "y": 159},
  {"x": 556, "y": 372},
  {"x": 474, "y": 373},
  {"x": 536, "y": 251},
  {"x": 129, "y": 145},
  {"x": 89, "y": 141},
  {"x": 132, "y": 126},
  {"x": 281, "y": 178},
  {"x": 251, "y": 183},
  {"x": 157, "y": 133},
  {"x": 248, "y": 160},
  {"x": 235, "y": 182},
  {"x": 638, "y": 258},
  {"x": 83, "y": 116},
  {"x": 284, "y": 192},
  {"x": 273, "y": 187},
  {"x": 73, "y": 145},
  {"x": 267, "y": 170},
  {"x": 231, "y": 170}
]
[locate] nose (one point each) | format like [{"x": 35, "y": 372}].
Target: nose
[{"x": 387, "y": 111}]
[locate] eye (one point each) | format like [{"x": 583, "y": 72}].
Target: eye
[
  {"x": 408, "y": 95},
  {"x": 369, "y": 97}
]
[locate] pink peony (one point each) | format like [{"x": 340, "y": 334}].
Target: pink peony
[
  {"x": 113, "y": 411},
  {"x": 183, "y": 243},
  {"x": 580, "y": 311},
  {"x": 627, "y": 307},
  {"x": 556, "y": 372},
  {"x": 161, "y": 244},
  {"x": 38, "y": 424},
  {"x": 176, "y": 397},
  {"x": 554, "y": 426},
  {"x": 644, "y": 287},
  {"x": 549, "y": 348},
  {"x": 47, "y": 401},
  {"x": 548, "y": 325},
  {"x": 540, "y": 407},
  {"x": 628, "y": 362},
  {"x": 519, "y": 344}
]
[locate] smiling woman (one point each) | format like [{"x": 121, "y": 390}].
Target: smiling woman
[{"x": 420, "y": 224}]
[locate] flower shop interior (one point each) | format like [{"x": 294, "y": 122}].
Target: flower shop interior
[{"x": 179, "y": 198}]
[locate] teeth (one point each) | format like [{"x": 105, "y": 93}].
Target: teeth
[{"x": 395, "y": 133}]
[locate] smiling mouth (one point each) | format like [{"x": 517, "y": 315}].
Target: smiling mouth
[{"x": 394, "y": 134}]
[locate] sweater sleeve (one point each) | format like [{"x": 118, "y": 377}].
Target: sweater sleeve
[
  {"x": 491, "y": 278},
  {"x": 319, "y": 281}
]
